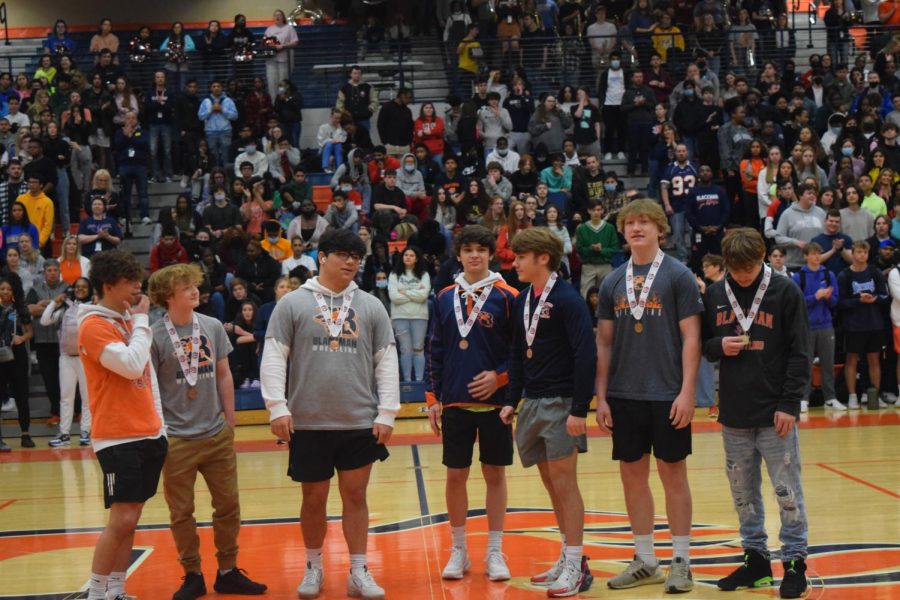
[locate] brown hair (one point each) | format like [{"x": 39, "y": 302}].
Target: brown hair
[
  {"x": 713, "y": 260},
  {"x": 812, "y": 248},
  {"x": 861, "y": 244},
  {"x": 162, "y": 284},
  {"x": 539, "y": 240},
  {"x": 646, "y": 207},
  {"x": 743, "y": 248},
  {"x": 112, "y": 266}
]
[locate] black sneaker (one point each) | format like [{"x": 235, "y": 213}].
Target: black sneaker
[
  {"x": 236, "y": 581},
  {"x": 756, "y": 572},
  {"x": 27, "y": 442},
  {"x": 794, "y": 583},
  {"x": 587, "y": 577},
  {"x": 193, "y": 587}
]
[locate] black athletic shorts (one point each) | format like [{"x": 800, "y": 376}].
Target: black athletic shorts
[
  {"x": 642, "y": 426},
  {"x": 131, "y": 471},
  {"x": 461, "y": 427},
  {"x": 863, "y": 342},
  {"x": 315, "y": 454}
]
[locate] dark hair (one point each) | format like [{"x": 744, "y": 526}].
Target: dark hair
[
  {"x": 112, "y": 266},
  {"x": 25, "y": 222},
  {"x": 399, "y": 269},
  {"x": 474, "y": 234},
  {"x": 833, "y": 213},
  {"x": 169, "y": 230},
  {"x": 341, "y": 240}
]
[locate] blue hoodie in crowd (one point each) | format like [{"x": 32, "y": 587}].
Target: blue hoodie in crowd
[{"x": 810, "y": 282}]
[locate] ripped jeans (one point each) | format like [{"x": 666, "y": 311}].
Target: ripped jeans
[{"x": 744, "y": 451}]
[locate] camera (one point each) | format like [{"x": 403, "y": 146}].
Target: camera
[{"x": 855, "y": 17}]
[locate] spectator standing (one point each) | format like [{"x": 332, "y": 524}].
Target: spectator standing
[
  {"x": 288, "y": 109},
  {"x": 357, "y": 98},
  {"x": 104, "y": 39},
  {"x": 131, "y": 149},
  {"x": 602, "y": 38},
  {"x": 241, "y": 44},
  {"x": 733, "y": 141},
  {"x": 469, "y": 52},
  {"x": 548, "y": 125},
  {"x": 395, "y": 123},
  {"x": 72, "y": 265},
  {"x": 159, "y": 106},
  {"x": 15, "y": 332},
  {"x": 799, "y": 224},
  {"x": 596, "y": 242},
  {"x": 212, "y": 46},
  {"x": 279, "y": 66},
  {"x": 14, "y": 186},
  {"x": 47, "y": 286},
  {"x": 218, "y": 111},
  {"x": 39, "y": 208},
  {"x": 707, "y": 212},
  {"x": 637, "y": 107},
  {"x": 520, "y": 106},
  {"x": 429, "y": 130},
  {"x": 856, "y": 222},
  {"x": 678, "y": 179},
  {"x": 177, "y": 46},
  {"x": 610, "y": 92},
  {"x": 98, "y": 231},
  {"x": 258, "y": 107},
  {"x": 409, "y": 287}
]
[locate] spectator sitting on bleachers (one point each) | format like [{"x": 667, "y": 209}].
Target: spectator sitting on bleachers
[
  {"x": 259, "y": 270},
  {"x": 220, "y": 215},
  {"x": 379, "y": 163},
  {"x": 309, "y": 225},
  {"x": 283, "y": 161},
  {"x": 273, "y": 242},
  {"x": 412, "y": 184},
  {"x": 298, "y": 258},
  {"x": 342, "y": 214},
  {"x": 59, "y": 42},
  {"x": 295, "y": 191},
  {"x": 251, "y": 154},
  {"x": 330, "y": 137},
  {"x": 168, "y": 251}
]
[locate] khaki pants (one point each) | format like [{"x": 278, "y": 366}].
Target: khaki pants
[
  {"x": 215, "y": 459},
  {"x": 592, "y": 276}
]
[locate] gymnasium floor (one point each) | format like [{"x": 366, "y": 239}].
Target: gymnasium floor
[{"x": 51, "y": 512}]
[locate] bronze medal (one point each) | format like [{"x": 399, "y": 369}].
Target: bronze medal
[
  {"x": 334, "y": 344},
  {"x": 639, "y": 327},
  {"x": 529, "y": 353},
  {"x": 463, "y": 344},
  {"x": 192, "y": 392}
]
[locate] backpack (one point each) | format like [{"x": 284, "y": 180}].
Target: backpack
[{"x": 68, "y": 330}]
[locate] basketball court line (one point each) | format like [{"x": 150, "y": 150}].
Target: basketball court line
[
  {"x": 7, "y": 503},
  {"x": 858, "y": 480}
]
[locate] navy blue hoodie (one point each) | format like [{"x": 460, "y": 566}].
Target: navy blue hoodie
[{"x": 707, "y": 205}]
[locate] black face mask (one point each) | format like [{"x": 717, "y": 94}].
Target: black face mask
[
  {"x": 308, "y": 213},
  {"x": 874, "y": 85}
]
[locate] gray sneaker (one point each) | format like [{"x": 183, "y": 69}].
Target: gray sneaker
[
  {"x": 679, "y": 579},
  {"x": 635, "y": 574}
]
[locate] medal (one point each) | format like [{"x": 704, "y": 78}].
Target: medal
[
  {"x": 531, "y": 323},
  {"x": 335, "y": 328},
  {"x": 637, "y": 305},
  {"x": 465, "y": 327},
  {"x": 188, "y": 367},
  {"x": 746, "y": 321}
]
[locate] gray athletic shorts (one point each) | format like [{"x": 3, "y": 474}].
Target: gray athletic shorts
[{"x": 541, "y": 431}]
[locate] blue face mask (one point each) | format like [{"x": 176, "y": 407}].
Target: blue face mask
[
  {"x": 688, "y": 92},
  {"x": 615, "y": 64},
  {"x": 847, "y": 151},
  {"x": 609, "y": 187},
  {"x": 381, "y": 284}
]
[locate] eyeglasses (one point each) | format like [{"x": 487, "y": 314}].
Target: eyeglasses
[{"x": 345, "y": 256}]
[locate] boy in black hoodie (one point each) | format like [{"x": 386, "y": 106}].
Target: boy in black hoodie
[{"x": 755, "y": 324}]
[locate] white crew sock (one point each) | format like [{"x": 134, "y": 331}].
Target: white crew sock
[
  {"x": 643, "y": 547},
  {"x": 495, "y": 541},
  {"x": 357, "y": 563},
  {"x": 573, "y": 555},
  {"x": 97, "y": 587},
  {"x": 115, "y": 585},
  {"x": 459, "y": 536},
  {"x": 314, "y": 557},
  {"x": 681, "y": 545},
  {"x": 852, "y": 398}
]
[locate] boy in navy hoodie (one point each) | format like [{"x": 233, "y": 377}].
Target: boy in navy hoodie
[
  {"x": 466, "y": 373},
  {"x": 551, "y": 367},
  {"x": 819, "y": 287},
  {"x": 707, "y": 212}
]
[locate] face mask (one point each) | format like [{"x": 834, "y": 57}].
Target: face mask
[
  {"x": 308, "y": 213},
  {"x": 346, "y": 188},
  {"x": 868, "y": 128},
  {"x": 251, "y": 149},
  {"x": 381, "y": 284},
  {"x": 835, "y": 130},
  {"x": 873, "y": 84},
  {"x": 689, "y": 92},
  {"x": 409, "y": 168},
  {"x": 609, "y": 187},
  {"x": 273, "y": 240},
  {"x": 502, "y": 151},
  {"x": 847, "y": 151},
  {"x": 615, "y": 64},
  {"x": 219, "y": 197},
  {"x": 280, "y": 89}
]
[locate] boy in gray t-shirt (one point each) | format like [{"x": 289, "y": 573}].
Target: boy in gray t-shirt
[
  {"x": 339, "y": 407},
  {"x": 190, "y": 355}
]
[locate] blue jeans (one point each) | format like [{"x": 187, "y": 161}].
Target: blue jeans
[
  {"x": 745, "y": 449},
  {"x": 137, "y": 176},
  {"x": 161, "y": 133},
  {"x": 411, "y": 342},
  {"x": 294, "y": 130},
  {"x": 332, "y": 149},
  {"x": 706, "y": 384},
  {"x": 655, "y": 173},
  {"x": 680, "y": 231},
  {"x": 62, "y": 200},
  {"x": 219, "y": 143}
]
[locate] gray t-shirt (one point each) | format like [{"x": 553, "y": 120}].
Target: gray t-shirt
[
  {"x": 331, "y": 389},
  {"x": 185, "y": 418},
  {"x": 647, "y": 365}
]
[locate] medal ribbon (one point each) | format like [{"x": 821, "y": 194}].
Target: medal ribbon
[
  {"x": 532, "y": 323},
  {"x": 746, "y": 321},
  {"x": 334, "y": 327},
  {"x": 466, "y": 327},
  {"x": 637, "y": 304},
  {"x": 188, "y": 368}
]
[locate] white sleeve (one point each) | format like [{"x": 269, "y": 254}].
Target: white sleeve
[
  {"x": 894, "y": 284},
  {"x": 387, "y": 380},
  {"x": 157, "y": 399},
  {"x": 273, "y": 378},
  {"x": 50, "y": 315},
  {"x": 762, "y": 193},
  {"x": 129, "y": 360}
]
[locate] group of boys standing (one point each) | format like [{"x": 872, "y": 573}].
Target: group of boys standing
[{"x": 489, "y": 350}]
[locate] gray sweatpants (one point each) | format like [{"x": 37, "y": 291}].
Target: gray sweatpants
[{"x": 821, "y": 344}]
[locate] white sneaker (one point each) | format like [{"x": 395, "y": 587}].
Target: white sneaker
[
  {"x": 311, "y": 586},
  {"x": 254, "y": 384},
  {"x": 853, "y": 402},
  {"x": 607, "y": 156},
  {"x": 458, "y": 564},
  {"x": 9, "y": 405},
  {"x": 496, "y": 566},
  {"x": 549, "y": 576},
  {"x": 804, "y": 406},
  {"x": 362, "y": 585},
  {"x": 568, "y": 582},
  {"x": 620, "y": 156},
  {"x": 835, "y": 404},
  {"x": 146, "y": 221},
  {"x": 184, "y": 181}
]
